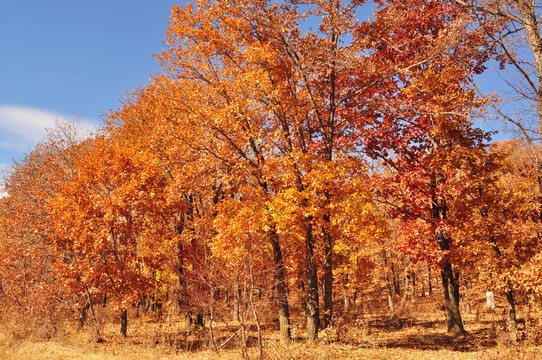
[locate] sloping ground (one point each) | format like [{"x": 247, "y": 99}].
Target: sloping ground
[{"x": 365, "y": 332}]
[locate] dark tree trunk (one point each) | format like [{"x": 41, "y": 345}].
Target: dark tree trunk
[
  {"x": 188, "y": 319},
  {"x": 451, "y": 295},
  {"x": 395, "y": 275},
  {"x": 123, "y": 322},
  {"x": 449, "y": 281},
  {"x": 197, "y": 318},
  {"x": 413, "y": 285},
  {"x": 512, "y": 315},
  {"x": 422, "y": 285},
  {"x": 328, "y": 272},
  {"x": 183, "y": 296},
  {"x": 346, "y": 308},
  {"x": 313, "y": 316},
  {"x": 282, "y": 289},
  {"x": 83, "y": 317},
  {"x": 388, "y": 286},
  {"x": 236, "y": 301},
  {"x": 429, "y": 286}
]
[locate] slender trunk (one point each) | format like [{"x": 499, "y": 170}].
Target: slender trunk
[
  {"x": 390, "y": 295},
  {"x": 282, "y": 290},
  {"x": 512, "y": 315},
  {"x": 413, "y": 284},
  {"x": 509, "y": 296},
  {"x": 123, "y": 322},
  {"x": 183, "y": 298},
  {"x": 450, "y": 284},
  {"x": 188, "y": 319},
  {"x": 422, "y": 285},
  {"x": 388, "y": 287},
  {"x": 328, "y": 272},
  {"x": 429, "y": 286},
  {"x": 236, "y": 300},
  {"x": 346, "y": 301},
  {"x": 313, "y": 316},
  {"x": 211, "y": 332},
  {"x": 255, "y": 314},
  {"x": 83, "y": 317},
  {"x": 468, "y": 307},
  {"x": 396, "y": 277}
]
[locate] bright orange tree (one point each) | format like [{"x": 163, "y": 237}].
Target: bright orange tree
[
  {"x": 498, "y": 221},
  {"x": 266, "y": 104},
  {"x": 27, "y": 280},
  {"x": 270, "y": 95},
  {"x": 112, "y": 225}
]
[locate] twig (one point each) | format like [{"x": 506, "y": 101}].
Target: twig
[{"x": 228, "y": 339}]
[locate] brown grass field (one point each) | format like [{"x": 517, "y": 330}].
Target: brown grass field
[{"x": 365, "y": 333}]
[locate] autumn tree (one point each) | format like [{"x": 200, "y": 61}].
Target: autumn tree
[
  {"x": 422, "y": 131},
  {"x": 111, "y": 226},
  {"x": 27, "y": 278},
  {"x": 499, "y": 222},
  {"x": 513, "y": 35},
  {"x": 289, "y": 104},
  {"x": 276, "y": 95}
]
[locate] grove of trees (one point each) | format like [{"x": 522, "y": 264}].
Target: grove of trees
[{"x": 285, "y": 151}]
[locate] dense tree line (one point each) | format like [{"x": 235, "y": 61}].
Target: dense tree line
[{"x": 283, "y": 151}]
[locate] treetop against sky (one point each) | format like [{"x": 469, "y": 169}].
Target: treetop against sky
[{"x": 64, "y": 59}]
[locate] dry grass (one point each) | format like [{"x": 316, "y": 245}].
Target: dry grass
[
  {"x": 55, "y": 350},
  {"x": 370, "y": 338},
  {"x": 355, "y": 336}
]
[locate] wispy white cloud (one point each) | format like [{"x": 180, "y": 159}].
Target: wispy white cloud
[{"x": 23, "y": 127}]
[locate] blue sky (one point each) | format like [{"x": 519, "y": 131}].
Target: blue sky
[{"x": 64, "y": 58}]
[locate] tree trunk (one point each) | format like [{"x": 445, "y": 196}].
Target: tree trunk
[
  {"x": 422, "y": 285},
  {"x": 236, "y": 300},
  {"x": 413, "y": 284},
  {"x": 197, "y": 318},
  {"x": 328, "y": 272},
  {"x": 450, "y": 282},
  {"x": 188, "y": 319},
  {"x": 388, "y": 286},
  {"x": 396, "y": 277},
  {"x": 313, "y": 316},
  {"x": 123, "y": 322},
  {"x": 468, "y": 307},
  {"x": 83, "y": 317},
  {"x": 429, "y": 286},
  {"x": 512, "y": 315},
  {"x": 346, "y": 301},
  {"x": 451, "y": 295},
  {"x": 390, "y": 294},
  {"x": 282, "y": 289}
]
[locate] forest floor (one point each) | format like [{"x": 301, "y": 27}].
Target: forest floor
[{"x": 421, "y": 335}]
